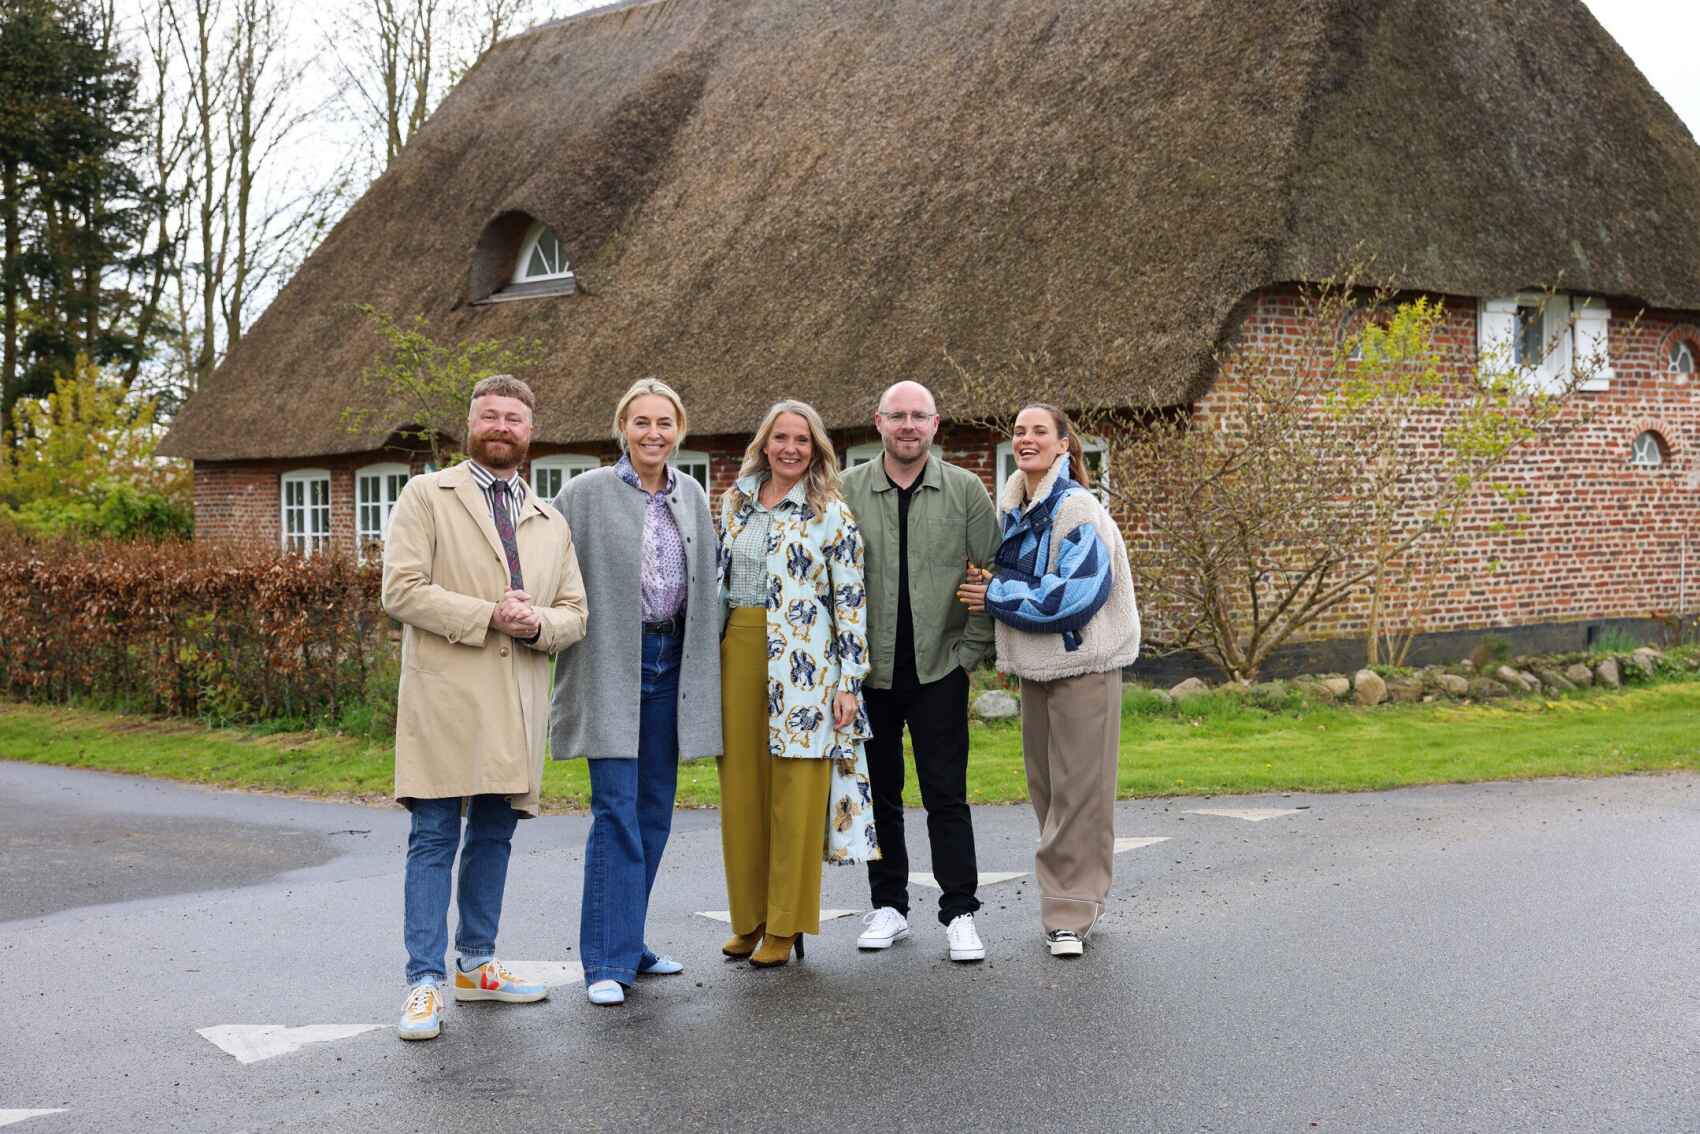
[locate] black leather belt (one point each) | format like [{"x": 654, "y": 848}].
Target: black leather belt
[{"x": 667, "y": 626}]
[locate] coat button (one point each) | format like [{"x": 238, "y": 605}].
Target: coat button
[{"x": 504, "y": 651}]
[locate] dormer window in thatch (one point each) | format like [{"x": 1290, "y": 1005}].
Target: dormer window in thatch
[
  {"x": 1549, "y": 338},
  {"x": 519, "y": 256},
  {"x": 541, "y": 257}
]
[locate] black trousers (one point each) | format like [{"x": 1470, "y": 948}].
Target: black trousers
[{"x": 937, "y": 716}]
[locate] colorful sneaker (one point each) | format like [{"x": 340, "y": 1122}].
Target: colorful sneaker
[
  {"x": 886, "y": 927},
  {"x": 1064, "y": 943},
  {"x": 964, "y": 942},
  {"x": 491, "y": 981},
  {"x": 422, "y": 1015}
]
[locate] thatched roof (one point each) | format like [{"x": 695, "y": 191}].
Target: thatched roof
[{"x": 816, "y": 197}]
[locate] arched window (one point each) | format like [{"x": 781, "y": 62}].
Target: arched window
[
  {"x": 376, "y": 490},
  {"x": 1648, "y": 451},
  {"x": 541, "y": 257},
  {"x": 1681, "y": 357},
  {"x": 548, "y": 474}
]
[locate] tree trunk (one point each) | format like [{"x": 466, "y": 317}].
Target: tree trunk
[{"x": 9, "y": 283}]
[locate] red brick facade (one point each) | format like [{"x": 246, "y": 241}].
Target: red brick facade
[{"x": 1605, "y": 538}]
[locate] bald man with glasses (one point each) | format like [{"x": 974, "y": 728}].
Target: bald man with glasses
[{"x": 923, "y": 521}]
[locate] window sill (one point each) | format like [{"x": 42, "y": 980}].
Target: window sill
[{"x": 537, "y": 289}]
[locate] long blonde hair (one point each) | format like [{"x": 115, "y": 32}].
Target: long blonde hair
[{"x": 823, "y": 480}]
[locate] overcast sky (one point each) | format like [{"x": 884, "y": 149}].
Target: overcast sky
[{"x": 1663, "y": 37}]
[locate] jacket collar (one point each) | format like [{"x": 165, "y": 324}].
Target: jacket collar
[
  {"x": 931, "y": 475},
  {"x": 1013, "y": 496},
  {"x": 749, "y": 485}
]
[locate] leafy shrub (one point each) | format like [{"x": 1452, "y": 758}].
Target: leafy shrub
[{"x": 227, "y": 634}]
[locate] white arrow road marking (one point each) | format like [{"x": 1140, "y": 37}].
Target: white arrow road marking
[
  {"x": 551, "y": 974},
  {"x": 250, "y": 1043},
  {"x": 7, "y": 1117},
  {"x": 1136, "y": 843},
  {"x": 987, "y": 877},
  {"x": 1249, "y": 814},
  {"x": 726, "y": 915}
]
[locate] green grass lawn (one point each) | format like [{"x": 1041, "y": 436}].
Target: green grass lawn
[{"x": 1216, "y": 745}]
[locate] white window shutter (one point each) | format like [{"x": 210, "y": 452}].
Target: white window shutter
[
  {"x": 1496, "y": 332},
  {"x": 1558, "y": 340},
  {"x": 1593, "y": 320}
]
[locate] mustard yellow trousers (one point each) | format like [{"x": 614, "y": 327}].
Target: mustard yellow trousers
[{"x": 772, "y": 808}]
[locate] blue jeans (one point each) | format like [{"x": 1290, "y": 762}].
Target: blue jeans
[
  {"x": 431, "y": 847},
  {"x": 631, "y": 815}
]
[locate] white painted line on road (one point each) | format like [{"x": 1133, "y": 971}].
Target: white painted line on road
[
  {"x": 7, "y": 1117},
  {"x": 1123, "y": 843},
  {"x": 1249, "y": 814},
  {"x": 552, "y": 974},
  {"x": 726, "y": 915},
  {"x": 987, "y": 877},
  {"x": 250, "y": 1043}
]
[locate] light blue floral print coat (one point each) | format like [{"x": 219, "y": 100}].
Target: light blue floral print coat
[{"x": 817, "y": 645}]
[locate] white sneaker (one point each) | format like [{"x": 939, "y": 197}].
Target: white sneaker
[
  {"x": 965, "y": 944},
  {"x": 1065, "y": 944},
  {"x": 886, "y": 927}
]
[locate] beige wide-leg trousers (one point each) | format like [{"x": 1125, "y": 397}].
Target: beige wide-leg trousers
[{"x": 1070, "y": 739}]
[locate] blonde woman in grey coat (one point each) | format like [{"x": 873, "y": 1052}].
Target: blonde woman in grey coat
[{"x": 642, "y": 691}]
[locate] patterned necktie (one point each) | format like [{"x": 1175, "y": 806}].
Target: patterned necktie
[{"x": 505, "y": 529}]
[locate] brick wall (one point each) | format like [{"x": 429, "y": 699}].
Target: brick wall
[{"x": 1604, "y": 539}]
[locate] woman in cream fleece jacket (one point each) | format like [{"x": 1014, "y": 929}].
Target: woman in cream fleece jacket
[{"x": 1061, "y": 594}]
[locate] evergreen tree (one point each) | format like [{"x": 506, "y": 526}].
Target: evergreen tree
[{"x": 72, "y": 132}]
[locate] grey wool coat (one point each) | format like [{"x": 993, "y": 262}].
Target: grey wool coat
[{"x": 595, "y": 711}]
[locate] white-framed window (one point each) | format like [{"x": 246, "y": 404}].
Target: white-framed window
[
  {"x": 376, "y": 490},
  {"x": 306, "y": 516},
  {"x": 692, "y": 463},
  {"x": 1097, "y": 455},
  {"x": 1647, "y": 451},
  {"x": 1548, "y": 338},
  {"x": 541, "y": 256},
  {"x": 863, "y": 453},
  {"x": 1681, "y": 359},
  {"x": 548, "y": 474}
]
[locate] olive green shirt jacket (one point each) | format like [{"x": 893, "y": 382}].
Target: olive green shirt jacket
[{"x": 951, "y": 521}]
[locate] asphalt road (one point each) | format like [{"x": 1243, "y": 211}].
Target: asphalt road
[{"x": 1497, "y": 958}]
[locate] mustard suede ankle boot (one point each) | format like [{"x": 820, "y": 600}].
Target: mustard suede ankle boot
[
  {"x": 741, "y": 945},
  {"x": 776, "y": 950}
]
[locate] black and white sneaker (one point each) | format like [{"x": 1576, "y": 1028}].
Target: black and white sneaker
[{"x": 1063, "y": 943}]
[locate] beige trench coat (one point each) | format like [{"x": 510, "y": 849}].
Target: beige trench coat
[{"x": 473, "y": 715}]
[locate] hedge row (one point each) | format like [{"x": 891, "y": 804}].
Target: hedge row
[{"x": 188, "y": 629}]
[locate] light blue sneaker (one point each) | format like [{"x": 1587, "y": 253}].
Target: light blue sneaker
[
  {"x": 492, "y": 981},
  {"x": 422, "y": 1015},
  {"x": 658, "y": 964}
]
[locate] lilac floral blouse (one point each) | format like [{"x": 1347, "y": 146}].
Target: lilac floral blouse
[{"x": 664, "y": 576}]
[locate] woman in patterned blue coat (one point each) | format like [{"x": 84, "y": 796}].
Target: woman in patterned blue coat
[
  {"x": 1061, "y": 595},
  {"x": 794, "y": 780}
]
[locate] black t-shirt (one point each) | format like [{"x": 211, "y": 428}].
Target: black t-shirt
[{"x": 903, "y": 664}]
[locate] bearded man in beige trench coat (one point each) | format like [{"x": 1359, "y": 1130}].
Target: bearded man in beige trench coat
[{"x": 482, "y": 575}]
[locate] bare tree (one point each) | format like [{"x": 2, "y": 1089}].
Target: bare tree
[{"x": 1332, "y": 467}]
